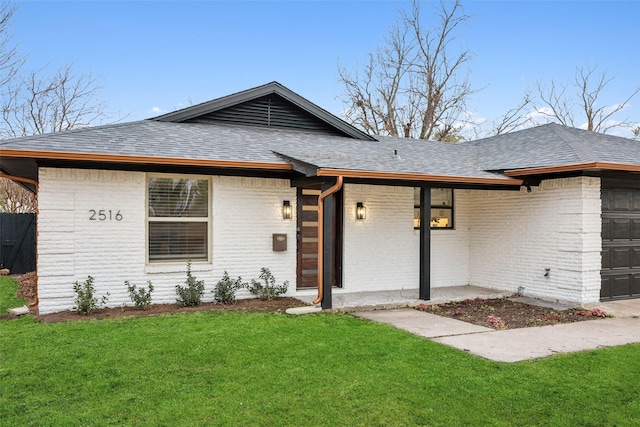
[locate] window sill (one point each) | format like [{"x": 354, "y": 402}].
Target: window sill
[{"x": 176, "y": 267}]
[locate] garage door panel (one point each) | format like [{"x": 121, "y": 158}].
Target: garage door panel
[
  {"x": 620, "y": 274},
  {"x": 634, "y": 253},
  {"x": 606, "y": 254},
  {"x": 606, "y": 229},
  {"x": 620, "y": 228},
  {"x": 635, "y": 284},
  {"x": 621, "y": 200},
  {"x": 620, "y": 258},
  {"x": 635, "y": 200},
  {"x": 605, "y": 287},
  {"x": 634, "y": 232},
  {"x": 606, "y": 200},
  {"x": 620, "y": 285}
]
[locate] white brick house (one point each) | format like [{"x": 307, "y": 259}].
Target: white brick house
[{"x": 550, "y": 211}]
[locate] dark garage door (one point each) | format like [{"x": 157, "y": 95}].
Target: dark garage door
[{"x": 620, "y": 243}]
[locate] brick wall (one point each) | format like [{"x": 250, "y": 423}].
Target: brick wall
[
  {"x": 246, "y": 212},
  {"x": 501, "y": 240},
  {"x": 380, "y": 252},
  {"x": 516, "y": 236}
]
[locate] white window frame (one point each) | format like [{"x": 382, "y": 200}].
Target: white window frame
[{"x": 209, "y": 219}]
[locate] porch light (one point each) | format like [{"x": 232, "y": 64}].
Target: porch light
[
  {"x": 361, "y": 211},
  {"x": 287, "y": 210}
]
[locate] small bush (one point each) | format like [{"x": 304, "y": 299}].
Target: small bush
[
  {"x": 225, "y": 290},
  {"x": 86, "y": 301},
  {"x": 269, "y": 290},
  {"x": 140, "y": 297},
  {"x": 190, "y": 295}
]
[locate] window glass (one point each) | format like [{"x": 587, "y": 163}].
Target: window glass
[
  {"x": 178, "y": 219},
  {"x": 176, "y": 197},
  {"x": 178, "y": 241},
  {"x": 441, "y": 214}
]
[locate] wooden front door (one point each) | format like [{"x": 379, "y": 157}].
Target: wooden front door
[{"x": 307, "y": 236}]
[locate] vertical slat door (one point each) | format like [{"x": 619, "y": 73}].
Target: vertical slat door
[{"x": 307, "y": 236}]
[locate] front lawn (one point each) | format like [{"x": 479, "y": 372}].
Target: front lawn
[
  {"x": 8, "y": 298},
  {"x": 242, "y": 368}
]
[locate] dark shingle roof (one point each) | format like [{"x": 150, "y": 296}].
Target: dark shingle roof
[
  {"x": 548, "y": 145},
  {"x": 553, "y": 145},
  {"x": 233, "y": 129}
]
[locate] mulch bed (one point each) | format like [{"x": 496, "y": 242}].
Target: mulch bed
[
  {"x": 504, "y": 313},
  {"x": 500, "y": 313},
  {"x": 28, "y": 287},
  {"x": 277, "y": 305}
]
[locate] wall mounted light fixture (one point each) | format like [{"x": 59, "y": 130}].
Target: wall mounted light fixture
[
  {"x": 361, "y": 211},
  {"x": 287, "y": 210}
]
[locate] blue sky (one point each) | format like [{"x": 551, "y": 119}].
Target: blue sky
[{"x": 160, "y": 55}]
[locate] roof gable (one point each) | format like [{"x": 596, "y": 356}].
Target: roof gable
[{"x": 271, "y": 105}]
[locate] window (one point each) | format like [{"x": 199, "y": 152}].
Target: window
[
  {"x": 441, "y": 208},
  {"x": 178, "y": 218}
]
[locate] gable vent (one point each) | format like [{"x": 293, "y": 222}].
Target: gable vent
[{"x": 268, "y": 111}]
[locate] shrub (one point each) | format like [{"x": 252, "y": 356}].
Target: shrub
[
  {"x": 225, "y": 290},
  {"x": 86, "y": 301},
  {"x": 190, "y": 295},
  {"x": 269, "y": 290},
  {"x": 140, "y": 297}
]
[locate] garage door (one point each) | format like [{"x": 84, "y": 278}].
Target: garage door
[{"x": 620, "y": 243}]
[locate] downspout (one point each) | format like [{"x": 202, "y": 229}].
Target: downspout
[
  {"x": 35, "y": 183},
  {"x": 336, "y": 187}
]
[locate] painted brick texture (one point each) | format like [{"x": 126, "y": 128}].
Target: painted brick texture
[
  {"x": 382, "y": 252},
  {"x": 501, "y": 239},
  {"x": 515, "y": 236},
  {"x": 246, "y": 212}
]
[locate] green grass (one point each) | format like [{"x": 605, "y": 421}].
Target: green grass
[
  {"x": 238, "y": 368},
  {"x": 8, "y": 298}
]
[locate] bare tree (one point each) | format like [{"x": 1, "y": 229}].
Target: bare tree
[
  {"x": 15, "y": 199},
  {"x": 37, "y": 102},
  {"x": 41, "y": 103},
  {"x": 415, "y": 85},
  {"x": 10, "y": 60},
  {"x": 514, "y": 119},
  {"x": 557, "y": 102}
]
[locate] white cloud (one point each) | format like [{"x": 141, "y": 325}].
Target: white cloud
[{"x": 157, "y": 110}]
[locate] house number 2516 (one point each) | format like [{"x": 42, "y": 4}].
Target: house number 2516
[{"x": 104, "y": 215}]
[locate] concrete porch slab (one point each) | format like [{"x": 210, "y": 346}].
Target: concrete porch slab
[{"x": 373, "y": 300}]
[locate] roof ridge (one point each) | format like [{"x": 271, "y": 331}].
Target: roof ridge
[{"x": 576, "y": 147}]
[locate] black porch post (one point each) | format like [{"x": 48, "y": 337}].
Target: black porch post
[
  {"x": 328, "y": 245},
  {"x": 425, "y": 243}
]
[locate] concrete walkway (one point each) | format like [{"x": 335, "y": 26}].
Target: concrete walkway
[{"x": 515, "y": 345}]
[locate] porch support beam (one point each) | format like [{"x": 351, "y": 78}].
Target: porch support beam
[
  {"x": 425, "y": 243},
  {"x": 328, "y": 246}
]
